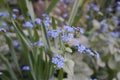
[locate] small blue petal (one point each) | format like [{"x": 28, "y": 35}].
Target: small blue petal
[{"x": 26, "y": 68}]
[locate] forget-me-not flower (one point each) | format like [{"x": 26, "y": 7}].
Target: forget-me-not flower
[
  {"x": 81, "y": 48},
  {"x": 28, "y": 24},
  {"x": 38, "y": 20},
  {"x": 58, "y": 60}
]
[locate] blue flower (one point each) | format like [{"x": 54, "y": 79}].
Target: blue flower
[
  {"x": 40, "y": 44},
  {"x": 53, "y": 33},
  {"x": 118, "y": 8},
  {"x": 87, "y": 16},
  {"x": 58, "y": 60},
  {"x": 97, "y": 54},
  {"x": 4, "y": 14},
  {"x": 1, "y": 73},
  {"x": 118, "y": 2},
  {"x": 64, "y": 38},
  {"x": 110, "y": 9},
  {"x": 81, "y": 48},
  {"x": 4, "y": 24},
  {"x": 22, "y": 17},
  {"x": 28, "y": 24},
  {"x": 65, "y": 15},
  {"x": 67, "y": 1},
  {"x": 15, "y": 43},
  {"x": 38, "y": 20},
  {"x": 90, "y": 52},
  {"x": 95, "y": 7},
  {"x": 70, "y": 35},
  {"x": 76, "y": 44},
  {"x": 47, "y": 21},
  {"x": 60, "y": 64},
  {"x": 81, "y": 30},
  {"x": 26, "y": 68},
  {"x": 68, "y": 28},
  {"x": 15, "y": 10},
  {"x": 14, "y": 16},
  {"x": 2, "y": 30}
]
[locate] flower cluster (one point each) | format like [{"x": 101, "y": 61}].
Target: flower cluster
[
  {"x": 58, "y": 60},
  {"x": 82, "y": 49}
]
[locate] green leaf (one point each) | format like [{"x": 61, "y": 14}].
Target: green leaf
[
  {"x": 60, "y": 76},
  {"x": 73, "y": 12},
  {"x": 25, "y": 46},
  {"x": 53, "y": 23},
  {"x": 30, "y": 9},
  {"x": 36, "y": 35},
  {"x": 68, "y": 49},
  {"x": 23, "y": 8},
  {"x": 13, "y": 53},
  {"x": 45, "y": 36},
  {"x": 51, "y": 6},
  {"x": 9, "y": 68},
  {"x": 69, "y": 67}
]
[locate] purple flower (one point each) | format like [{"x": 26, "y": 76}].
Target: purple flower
[
  {"x": 70, "y": 35},
  {"x": 87, "y": 16},
  {"x": 88, "y": 8},
  {"x": 68, "y": 28},
  {"x": 97, "y": 54},
  {"x": 15, "y": 10},
  {"x": 22, "y": 17},
  {"x": 110, "y": 9},
  {"x": 81, "y": 48},
  {"x": 81, "y": 30},
  {"x": 104, "y": 27},
  {"x": 15, "y": 43},
  {"x": 28, "y": 24},
  {"x": 118, "y": 8},
  {"x": 53, "y": 33},
  {"x": 93, "y": 79},
  {"x": 118, "y": 2},
  {"x": 95, "y": 7},
  {"x": 4, "y": 14},
  {"x": 4, "y": 24},
  {"x": 67, "y": 1},
  {"x": 2, "y": 30},
  {"x": 26, "y": 68},
  {"x": 38, "y": 20},
  {"x": 14, "y": 16},
  {"x": 64, "y": 38},
  {"x": 76, "y": 44},
  {"x": 40, "y": 44},
  {"x": 58, "y": 60},
  {"x": 1, "y": 73},
  {"x": 65, "y": 15},
  {"x": 90, "y": 52}
]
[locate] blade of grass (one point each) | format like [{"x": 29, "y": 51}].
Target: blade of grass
[
  {"x": 51, "y": 6},
  {"x": 73, "y": 12},
  {"x": 60, "y": 76},
  {"x": 30, "y": 9},
  {"x": 44, "y": 31},
  {"x": 25, "y": 44},
  {"x": 13, "y": 53},
  {"x": 23, "y": 8},
  {"x": 9, "y": 68},
  {"x": 53, "y": 23}
]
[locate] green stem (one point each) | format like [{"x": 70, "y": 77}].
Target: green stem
[{"x": 60, "y": 76}]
